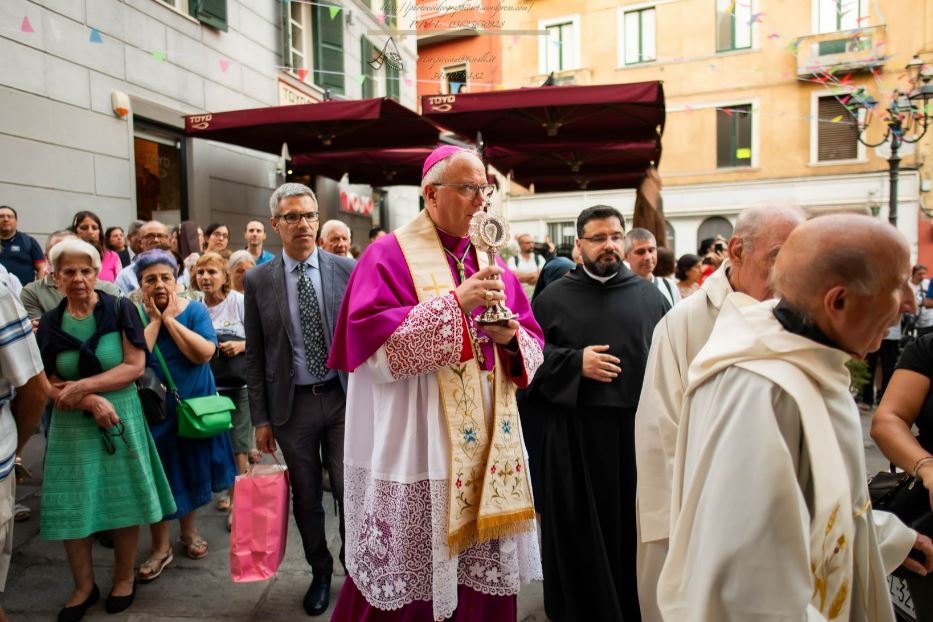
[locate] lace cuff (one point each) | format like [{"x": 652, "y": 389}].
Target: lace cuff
[
  {"x": 430, "y": 338},
  {"x": 527, "y": 360}
]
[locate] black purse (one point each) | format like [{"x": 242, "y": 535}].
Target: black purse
[
  {"x": 229, "y": 371},
  {"x": 152, "y": 395},
  {"x": 903, "y": 496}
]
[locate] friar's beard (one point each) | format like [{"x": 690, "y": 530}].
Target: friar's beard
[{"x": 606, "y": 264}]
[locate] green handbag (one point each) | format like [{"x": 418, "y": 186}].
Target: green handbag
[{"x": 198, "y": 417}]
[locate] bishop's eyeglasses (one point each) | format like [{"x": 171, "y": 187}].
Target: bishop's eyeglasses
[{"x": 470, "y": 191}]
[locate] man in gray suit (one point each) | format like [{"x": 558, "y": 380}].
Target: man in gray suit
[{"x": 292, "y": 303}]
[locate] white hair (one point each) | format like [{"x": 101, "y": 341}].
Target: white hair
[
  {"x": 239, "y": 257},
  {"x": 755, "y": 221},
  {"x": 637, "y": 235},
  {"x": 74, "y": 246},
  {"x": 288, "y": 190},
  {"x": 332, "y": 224}
]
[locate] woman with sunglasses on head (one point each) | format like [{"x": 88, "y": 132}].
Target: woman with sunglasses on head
[
  {"x": 102, "y": 470},
  {"x": 87, "y": 226},
  {"x": 181, "y": 329}
]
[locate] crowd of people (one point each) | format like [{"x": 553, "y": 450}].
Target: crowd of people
[{"x": 681, "y": 431}]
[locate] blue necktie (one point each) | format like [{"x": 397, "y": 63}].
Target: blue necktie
[{"x": 312, "y": 329}]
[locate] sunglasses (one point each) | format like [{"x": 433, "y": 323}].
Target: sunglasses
[{"x": 107, "y": 437}]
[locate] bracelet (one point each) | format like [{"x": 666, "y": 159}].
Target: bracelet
[{"x": 919, "y": 463}]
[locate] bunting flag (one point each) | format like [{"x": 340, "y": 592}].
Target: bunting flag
[
  {"x": 836, "y": 119},
  {"x": 515, "y": 38},
  {"x": 774, "y": 35},
  {"x": 334, "y": 11},
  {"x": 302, "y": 74},
  {"x": 756, "y": 17},
  {"x": 409, "y": 81},
  {"x": 158, "y": 56},
  {"x": 95, "y": 36},
  {"x": 26, "y": 26},
  {"x": 224, "y": 65},
  {"x": 728, "y": 111},
  {"x": 361, "y": 78},
  {"x": 382, "y": 17}
]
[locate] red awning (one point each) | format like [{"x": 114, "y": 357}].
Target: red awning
[
  {"x": 376, "y": 167},
  {"x": 567, "y": 113},
  {"x": 530, "y": 163},
  {"x": 332, "y": 125}
]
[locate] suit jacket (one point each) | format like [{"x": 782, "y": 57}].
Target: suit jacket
[{"x": 270, "y": 371}]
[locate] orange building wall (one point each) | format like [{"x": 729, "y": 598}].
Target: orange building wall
[{"x": 482, "y": 53}]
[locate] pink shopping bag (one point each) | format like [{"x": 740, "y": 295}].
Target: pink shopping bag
[{"x": 260, "y": 522}]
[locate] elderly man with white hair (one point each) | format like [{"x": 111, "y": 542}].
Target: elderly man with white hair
[
  {"x": 770, "y": 513},
  {"x": 440, "y": 521},
  {"x": 335, "y": 237},
  {"x": 758, "y": 236}
]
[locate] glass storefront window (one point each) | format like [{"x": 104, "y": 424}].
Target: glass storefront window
[{"x": 160, "y": 176}]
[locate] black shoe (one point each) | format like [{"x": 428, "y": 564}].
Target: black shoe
[
  {"x": 116, "y": 604},
  {"x": 317, "y": 598},
  {"x": 76, "y": 612}
]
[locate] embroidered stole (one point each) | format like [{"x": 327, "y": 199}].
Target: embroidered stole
[
  {"x": 490, "y": 494},
  {"x": 832, "y": 523}
]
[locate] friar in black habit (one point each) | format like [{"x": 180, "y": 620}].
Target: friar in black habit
[{"x": 597, "y": 321}]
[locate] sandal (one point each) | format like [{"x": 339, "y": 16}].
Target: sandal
[
  {"x": 151, "y": 568},
  {"x": 196, "y": 547},
  {"x": 223, "y": 503},
  {"x": 21, "y": 513}
]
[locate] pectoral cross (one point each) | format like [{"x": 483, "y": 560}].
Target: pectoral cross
[{"x": 435, "y": 286}]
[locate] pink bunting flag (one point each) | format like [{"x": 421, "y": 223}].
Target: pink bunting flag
[
  {"x": 302, "y": 74},
  {"x": 224, "y": 65},
  {"x": 774, "y": 35},
  {"x": 409, "y": 82},
  {"x": 382, "y": 17},
  {"x": 26, "y": 26},
  {"x": 728, "y": 111},
  {"x": 515, "y": 38}
]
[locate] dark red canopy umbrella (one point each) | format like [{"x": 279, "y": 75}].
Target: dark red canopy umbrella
[
  {"x": 332, "y": 125},
  {"x": 596, "y": 181},
  {"x": 376, "y": 167},
  {"x": 530, "y": 162},
  {"x": 567, "y": 113}
]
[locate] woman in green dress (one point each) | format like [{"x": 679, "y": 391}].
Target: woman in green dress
[{"x": 102, "y": 470}]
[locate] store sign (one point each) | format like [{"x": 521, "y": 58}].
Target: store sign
[
  {"x": 290, "y": 96},
  {"x": 355, "y": 203}
]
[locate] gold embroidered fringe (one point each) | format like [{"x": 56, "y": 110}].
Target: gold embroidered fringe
[{"x": 490, "y": 493}]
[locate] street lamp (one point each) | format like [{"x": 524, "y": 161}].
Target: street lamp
[{"x": 908, "y": 117}]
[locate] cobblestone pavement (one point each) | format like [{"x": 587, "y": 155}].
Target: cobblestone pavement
[{"x": 39, "y": 580}]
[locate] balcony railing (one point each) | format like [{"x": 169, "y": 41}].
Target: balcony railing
[{"x": 846, "y": 50}]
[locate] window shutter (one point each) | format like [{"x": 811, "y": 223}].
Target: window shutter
[
  {"x": 286, "y": 34},
  {"x": 210, "y": 12},
  {"x": 366, "y": 55},
  {"x": 328, "y": 48},
  {"x": 835, "y": 141},
  {"x": 393, "y": 86}
]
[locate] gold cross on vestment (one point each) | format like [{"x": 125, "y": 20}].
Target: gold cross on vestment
[{"x": 436, "y": 287}]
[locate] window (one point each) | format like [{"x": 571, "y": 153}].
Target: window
[
  {"x": 563, "y": 234},
  {"x": 558, "y": 50},
  {"x": 298, "y": 42},
  {"x": 836, "y": 133},
  {"x": 391, "y": 11},
  {"x": 639, "y": 36},
  {"x": 366, "y": 55},
  {"x": 453, "y": 79},
  {"x": 835, "y": 15},
  {"x": 734, "y": 136},
  {"x": 733, "y": 25},
  {"x": 328, "y": 47}
]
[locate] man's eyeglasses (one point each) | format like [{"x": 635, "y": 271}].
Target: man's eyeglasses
[
  {"x": 616, "y": 238},
  {"x": 108, "y": 437},
  {"x": 293, "y": 218},
  {"x": 471, "y": 191}
]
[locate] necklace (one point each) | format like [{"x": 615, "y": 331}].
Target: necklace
[{"x": 459, "y": 262}]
